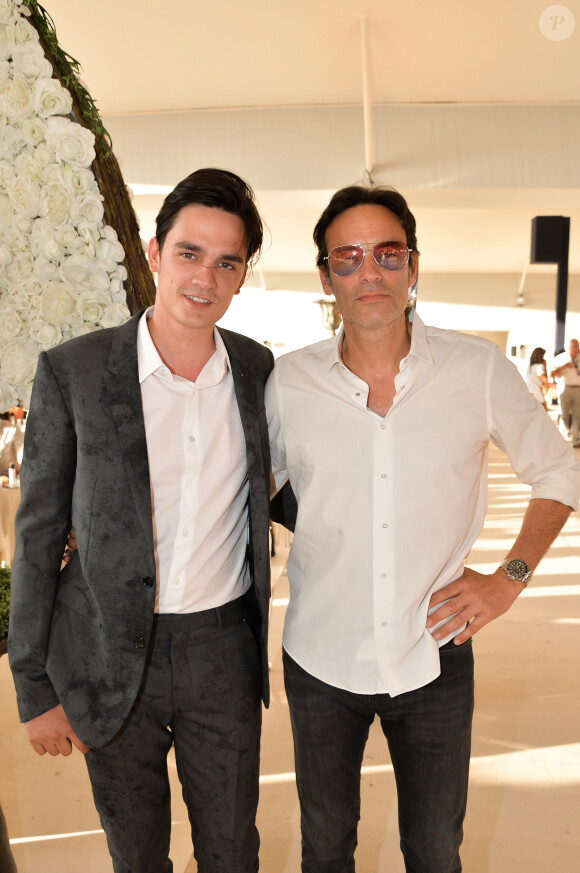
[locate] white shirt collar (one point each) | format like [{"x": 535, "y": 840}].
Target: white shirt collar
[
  {"x": 419, "y": 345},
  {"x": 149, "y": 359}
]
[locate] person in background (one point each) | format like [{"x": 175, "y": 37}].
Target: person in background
[
  {"x": 567, "y": 367},
  {"x": 383, "y": 432},
  {"x": 151, "y": 440},
  {"x": 18, "y": 412},
  {"x": 536, "y": 378},
  {"x": 9, "y": 443}
]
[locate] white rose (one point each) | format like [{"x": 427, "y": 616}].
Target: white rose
[
  {"x": 8, "y": 396},
  {"x": 51, "y": 249},
  {"x": 25, "y": 164},
  {"x": 88, "y": 208},
  {"x": 41, "y": 231},
  {"x": 19, "y": 362},
  {"x": 89, "y": 231},
  {"x": 55, "y": 204},
  {"x": 116, "y": 313},
  {"x": 82, "y": 328},
  {"x": 50, "y": 98},
  {"x": 11, "y": 325},
  {"x": 16, "y": 239},
  {"x": 77, "y": 179},
  {"x": 22, "y": 224},
  {"x": 84, "y": 273},
  {"x": 6, "y": 212},
  {"x": 9, "y": 141},
  {"x": 33, "y": 130},
  {"x": 28, "y": 294},
  {"x": 21, "y": 269},
  {"x": 7, "y": 175},
  {"x": 7, "y": 12},
  {"x": 66, "y": 235},
  {"x": 109, "y": 232},
  {"x": 118, "y": 293},
  {"x": 81, "y": 246},
  {"x": 23, "y": 31},
  {"x": 44, "y": 269},
  {"x": 46, "y": 160},
  {"x": 16, "y": 97},
  {"x": 110, "y": 252},
  {"x": 46, "y": 335},
  {"x": 56, "y": 303},
  {"x": 28, "y": 60},
  {"x": 7, "y": 43},
  {"x": 91, "y": 305},
  {"x": 72, "y": 143},
  {"x": 24, "y": 195}
]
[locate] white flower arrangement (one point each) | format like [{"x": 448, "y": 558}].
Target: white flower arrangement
[{"x": 60, "y": 265}]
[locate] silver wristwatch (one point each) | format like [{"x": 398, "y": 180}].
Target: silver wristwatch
[{"x": 516, "y": 569}]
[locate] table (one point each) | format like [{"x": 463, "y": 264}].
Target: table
[{"x": 9, "y": 501}]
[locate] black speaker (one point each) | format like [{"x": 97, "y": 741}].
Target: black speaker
[{"x": 550, "y": 238}]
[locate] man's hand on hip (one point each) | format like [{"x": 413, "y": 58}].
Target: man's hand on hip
[
  {"x": 475, "y": 598},
  {"x": 51, "y": 732}
]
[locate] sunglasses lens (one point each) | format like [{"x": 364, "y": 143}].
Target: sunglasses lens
[
  {"x": 391, "y": 255},
  {"x": 344, "y": 260}
]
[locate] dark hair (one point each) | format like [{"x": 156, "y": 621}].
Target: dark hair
[
  {"x": 358, "y": 195},
  {"x": 218, "y": 189},
  {"x": 537, "y": 356}
]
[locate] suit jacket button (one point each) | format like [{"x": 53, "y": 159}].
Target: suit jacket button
[
  {"x": 138, "y": 643},
  {"x": 147, "y": 581}
]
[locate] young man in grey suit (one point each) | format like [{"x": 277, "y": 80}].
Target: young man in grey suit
[{"x": 151, "y": 440}]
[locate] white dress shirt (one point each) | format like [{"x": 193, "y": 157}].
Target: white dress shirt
[
  {"x": 571, "y": 375},
  {"x": 199, "y": 480},
  {"x": 390, "y": 507}
]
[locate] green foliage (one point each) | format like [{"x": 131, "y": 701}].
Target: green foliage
[{"x": 5, "y": 575}]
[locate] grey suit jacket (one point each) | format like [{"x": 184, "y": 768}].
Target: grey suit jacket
[{"x": 80, "y": 637}]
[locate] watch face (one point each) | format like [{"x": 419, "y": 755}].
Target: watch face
[{"x": 517, "y": 569}]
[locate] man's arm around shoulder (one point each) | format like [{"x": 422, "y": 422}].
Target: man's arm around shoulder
[{"x": 42, "y": 523}]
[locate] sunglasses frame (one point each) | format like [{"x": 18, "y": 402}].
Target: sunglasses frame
[{"x": 366, "y": 247}]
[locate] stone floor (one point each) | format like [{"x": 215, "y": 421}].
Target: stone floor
[{"x": 524, "y": 803}]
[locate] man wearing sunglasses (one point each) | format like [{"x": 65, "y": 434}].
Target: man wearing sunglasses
[{"x": 383, "y": 434}]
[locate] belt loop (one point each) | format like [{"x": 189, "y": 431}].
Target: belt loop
[{"x": 218, "y": 615}]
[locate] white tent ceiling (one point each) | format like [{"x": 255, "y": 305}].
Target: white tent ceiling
[{"x": 144, "y": 57}]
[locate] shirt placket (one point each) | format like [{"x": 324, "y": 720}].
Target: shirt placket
[{"x": 192, "y": 455}]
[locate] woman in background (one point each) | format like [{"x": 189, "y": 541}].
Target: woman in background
[{"x": 536, "y": 378}]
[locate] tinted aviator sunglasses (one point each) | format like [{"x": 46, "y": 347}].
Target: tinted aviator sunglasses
[{"x": 345, "y": 260}]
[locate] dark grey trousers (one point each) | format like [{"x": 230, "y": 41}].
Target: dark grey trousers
[
  {"x": 7, "y": 863},
  {"x": 202, "y": 692}
]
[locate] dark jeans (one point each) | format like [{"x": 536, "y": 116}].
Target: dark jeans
[
  {"x": 429, "y": 735},
  {"x": 202, "y": 692}
]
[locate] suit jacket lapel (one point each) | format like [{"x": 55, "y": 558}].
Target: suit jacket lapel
[
  {"x": 249, "y": 392},
  {"x": 126, "y": 408}
]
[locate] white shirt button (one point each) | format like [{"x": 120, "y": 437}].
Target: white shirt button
[
  {"x": 177, "y": 581},
  {"x": 383, "y": 624},
  {"x": 383, "y": 575},
  {"x": 383, "y": 475},
  {"x": 191, "y": 439},
  {"x": 185, "y": 533},
  {"x": 385, "y": 525}
]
